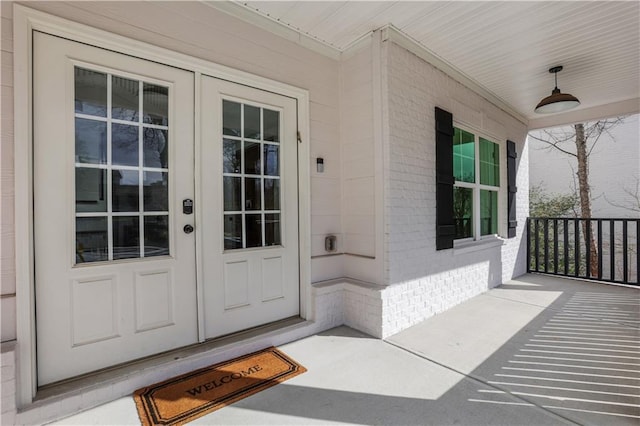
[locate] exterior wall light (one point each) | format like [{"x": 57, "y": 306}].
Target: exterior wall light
[{"x": 558, "y": 101}]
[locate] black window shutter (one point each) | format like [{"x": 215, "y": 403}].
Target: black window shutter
[
  {"x": 445, "y": 229},
  {"x": 511, "y": 201}
]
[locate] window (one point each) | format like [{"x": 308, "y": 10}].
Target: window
[{"x": 476, "y": 169}]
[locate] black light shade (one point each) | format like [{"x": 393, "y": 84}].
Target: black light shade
[{"x": 558, "y": 101}]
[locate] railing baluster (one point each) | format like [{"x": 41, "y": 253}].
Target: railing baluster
[
  {"x": 625, "y": 260},
  {"x": 612, "y": 248},
  {"x": 638, "y": 251},
  {"x": 599, "y": 249},
  {"x": 587, "y": 239},
  {"x": 576, "y": 244},
  {"x": 546, "y": 245},
  {"x": 555, "y": 246},
  {"x": 565, "y": 230},
  {"x": 537, "y": 245},
  {"x": 528, "y": 244}
]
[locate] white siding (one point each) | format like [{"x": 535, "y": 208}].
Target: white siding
[
  {"x": 614, "y": 169},
  {"x": 7, "y": 235}
]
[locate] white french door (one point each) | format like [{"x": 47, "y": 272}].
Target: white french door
[
  {"x": 113, "y": 162},
  {"x": 250, "y": 207}
]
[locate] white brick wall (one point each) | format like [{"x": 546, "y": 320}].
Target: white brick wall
[
  {"x": 423, "y": 281},
  {"x": 8, "y": 383}
]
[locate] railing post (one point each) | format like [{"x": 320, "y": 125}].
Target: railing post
[
  {"x": 546, "y": 245},
  {"x": 612, "y": 248},
  {"x": 537, "y": 247},
  {"x": 587, "y": 239},
  {"x": 555, "y": 246},
  {"x": 528, "y": 244},
  {"x": 565, "y": 230},
  {"x": 599, "y": 249},
  {"x": 576, "y": 243},
  {"x": 625, "y": 260}
]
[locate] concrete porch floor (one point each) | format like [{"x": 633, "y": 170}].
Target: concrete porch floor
[{"x": 537, "y": 350}]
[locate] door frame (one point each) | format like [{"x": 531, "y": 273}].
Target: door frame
[{"x": 25, "y": 22}]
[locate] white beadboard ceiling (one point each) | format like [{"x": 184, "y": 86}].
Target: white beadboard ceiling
[{"x": 505, "y": 47}]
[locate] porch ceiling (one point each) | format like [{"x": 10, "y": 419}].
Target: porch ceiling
[{"x": 506, "y": 47}]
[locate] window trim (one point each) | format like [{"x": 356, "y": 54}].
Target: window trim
[{"x": 477, "y": 186}]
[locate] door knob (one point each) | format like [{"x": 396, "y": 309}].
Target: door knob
[{"x": 187, "y": 229}]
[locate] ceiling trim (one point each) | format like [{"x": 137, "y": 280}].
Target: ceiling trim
[
  {"x": 389, "y": 32},
  {"x": 258, "y": 19},
  {"x": 627, "y": 107}
]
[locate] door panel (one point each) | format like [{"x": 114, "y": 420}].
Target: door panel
[
  {"x": 113, "y": 160},
  {"x": 250, "y": 207}
]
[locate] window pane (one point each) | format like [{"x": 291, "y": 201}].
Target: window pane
[
  {"x": 156, "y": 192},
  {"x": 252, "y": 158},
  {"x": 91, "y": 239},
  {"x": 156, "y": 148},
  {"x": 272, "y": 229},
  {"x": 231, "y": 118},
  {"x": 271, "y": 160},
  {"x": 125, "y": 190},
  {"x": 464, "y": 156},
  {"x": 232, "y": 194},
  {"x": 126, "y": 237},
  {"x": 155, "y": 104},
  {"x": 489, "y": 163},
  {"x": 254, "y": 230},
  {"x": 488, "y": 212},
  {"x": 91, "y": 190},
  {"x": 271, "y": 125},
  {"x": 251, "y": 122},
  {"x": 231, "y": 156},
  {"x": 124, "y": 145},
  {"x": 90, "y": 92},
  {"x": 252, "y": 192},
  {"x": 463, "y": 212},
  {"x": 156, "y": 236},
  {"x": 124, "y": 99},
  {"x": 272, "y": 194},
  {"x": 91, "y": 141},
  {"x": 232, "y": 231}
]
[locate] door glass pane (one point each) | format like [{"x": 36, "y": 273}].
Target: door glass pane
[
  {"x": 126, "y": 237},
  {"x": 464, "y": 156},
  {"x": 124, "y": 145},
  {"x": 156, "y": 148},
  {"x": 463, "y": 212},
  {"x": 272, "y": 194},
  {"x": 125, "y": 191},
  {"x": 232, "y": 194},
  {"x": 252, "y": 194},
  {"x": 156, "y": 236},
  {"x": 271, "y": 125},
  {"x": 91, "y": 190},
  {"x": 489, "y": 163},
  {"x": 91, "y": 141},
  {"x": 231, "y": 118},
  {"x": 231, "y": 156},
  {"x": 92, "y": 244},
  {"x": 232, "y": 231},
  {"x": 271, "y": 160},
  {"x": 252, "y": 158},
  {"x": 90, "y": 92},
  {"x": 251, "y": 122},
  {"x": 253, "y": 230},
  {"x": 109, "y": 168},
  {"x": 155, "y": 104},
  {"x": 272, "y": 230},
  {"x": 488, "y": 212},
  {"x": 156, "y": 191},
  {"x": 124, "y": 98}
]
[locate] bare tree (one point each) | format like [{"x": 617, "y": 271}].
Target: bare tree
[{"x": 578, "y": 142}]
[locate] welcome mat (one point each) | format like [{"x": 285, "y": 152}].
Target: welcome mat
[{"x": 192, "y": 395}]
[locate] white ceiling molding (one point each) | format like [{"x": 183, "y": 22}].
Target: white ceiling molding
[
  {"x": 255, "y": 17},
  {"x": 628, "y": 107},
  {"x": 389, "y": 32}
]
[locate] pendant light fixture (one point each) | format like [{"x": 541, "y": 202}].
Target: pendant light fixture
[{"x": 558, "y": 101}]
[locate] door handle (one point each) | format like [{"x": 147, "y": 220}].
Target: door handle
[{"x": 187, "y": 229}]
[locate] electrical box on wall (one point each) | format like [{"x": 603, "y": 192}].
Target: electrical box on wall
[{"x": 330, "y": 243}]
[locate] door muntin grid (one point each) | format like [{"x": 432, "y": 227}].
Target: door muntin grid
[
  {"x": 251, "y": 175},
  {"x": 121, "y": 167}
]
